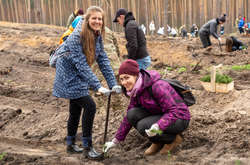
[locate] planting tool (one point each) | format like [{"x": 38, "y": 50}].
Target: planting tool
[
  {"x": 107, "y": 119},
  {"x": 220, "y": 46}
]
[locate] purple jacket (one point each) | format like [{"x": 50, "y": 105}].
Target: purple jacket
[{"x": 165, "y": 103}]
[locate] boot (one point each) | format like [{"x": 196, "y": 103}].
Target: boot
[
  {"x": 92, "y": 154},
  {"x": 88, "y": 150},
  {"x": 154, "y": 148},
  {"x": 73, "y": 148},
  {"x": 169, "y": 147}
]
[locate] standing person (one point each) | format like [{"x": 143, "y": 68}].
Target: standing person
[
  {"x": 71, "y": 18},
  {"x": 166, "y": 112},
  {"x": 74, "y": 77},
  {"x": 194, "y": 30},
  {"x": 183, "y": 31},
  {"x": 136, "y": 40},
  {"x": 152, "y": 27},
  {"x": 210, "y": 28},
  {"x": 241, "y": 24}
]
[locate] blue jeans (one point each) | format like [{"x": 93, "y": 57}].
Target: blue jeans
[{"x": 144, "y": 63}]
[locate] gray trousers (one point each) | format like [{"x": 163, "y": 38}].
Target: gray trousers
[{"x": 205, "y": 40}]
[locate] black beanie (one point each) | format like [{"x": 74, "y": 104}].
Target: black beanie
[{"x": 223, "y": 18}]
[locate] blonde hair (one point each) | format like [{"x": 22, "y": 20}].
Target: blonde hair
[{"x": 88, "y": 35}]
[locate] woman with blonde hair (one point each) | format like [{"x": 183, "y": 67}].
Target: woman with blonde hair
[{"x": 74, "y": 77}]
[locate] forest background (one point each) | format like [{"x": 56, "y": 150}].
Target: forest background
[{"x": 174, "y": 13}]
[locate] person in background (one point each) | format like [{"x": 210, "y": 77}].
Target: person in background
[
  {"x": 70, "y": 30},
  {"x": 152, "y": 27},
  {"x": 222, "y": 29},
  {"x": 210, "y": 28},
  {"x": 160, "y": 31},
  {"x": 248, "y": 28},
  {"x": 161, "y": 119},
  {"x": 194, "y": 30},
  {"x": 233, "y": 44},
  {"x": 171, "y": 31},
  {"x": 237, "y": 21},
  {"x": 74, "y": 77},
  {"x": 183, "y": 31},
  {"x": 136, "y": 40},
  {"x": 241, "y": 24},
  {"x": 71, "y": 18},
  {"x": 143, "y": 28}
]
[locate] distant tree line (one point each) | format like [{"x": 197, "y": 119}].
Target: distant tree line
[{"x": 174, "y": 13}]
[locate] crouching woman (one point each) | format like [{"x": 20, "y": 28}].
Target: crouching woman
[{"x": 165, "y": 113}]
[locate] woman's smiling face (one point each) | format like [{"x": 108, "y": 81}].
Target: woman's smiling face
[
  {"x": 95, "y": 21},
  {"x": 128, "y": 81}
]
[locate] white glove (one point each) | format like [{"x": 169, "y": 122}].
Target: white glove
[
  {"x": 219, "y": 39},
  {"x": 153, "y": 130},
  {"x": 104, "y": 91},
  {"x": 108, "y": 146},
  {"x": 117, "y": 89}
]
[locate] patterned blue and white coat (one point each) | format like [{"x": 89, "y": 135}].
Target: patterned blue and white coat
[{"x": 74, "y": 76}]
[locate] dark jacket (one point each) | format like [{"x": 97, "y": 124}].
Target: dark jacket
[
  {"x": 136, "y": 40},
  {"x": 210, "y": 28},
  {"x": 236, "y": 44}
]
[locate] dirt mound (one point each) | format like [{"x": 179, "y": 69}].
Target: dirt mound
[{"x": 33, "y": 122}]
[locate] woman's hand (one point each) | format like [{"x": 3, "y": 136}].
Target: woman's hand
[
  {"x": 109, "y": 145},
  {"x": 117, "y": 89},
  {"x": 104, "y": 91},
  {"x": 153, "y": 130}
]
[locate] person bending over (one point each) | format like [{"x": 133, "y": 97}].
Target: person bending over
[
  {"x": 166, "y": 113},
  {"x": 210, "y": 28}
]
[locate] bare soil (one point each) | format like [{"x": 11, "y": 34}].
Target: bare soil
[{"x": 33, "y": 122}]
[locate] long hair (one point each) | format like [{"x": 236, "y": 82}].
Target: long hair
[
  {"x": 229, "y": 44},
  {"x": 88, "y": 35}
]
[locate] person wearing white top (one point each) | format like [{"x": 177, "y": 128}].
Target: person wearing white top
[{"x": 152, "y": 27}]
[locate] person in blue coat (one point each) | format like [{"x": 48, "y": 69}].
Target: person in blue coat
[
  {"x": 74, "y": 77},
  {"x": 241, "y": 24}
]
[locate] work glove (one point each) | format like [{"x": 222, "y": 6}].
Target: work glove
[
  {"x": 109, "y": 145},
  {"x": 153, "y": 130},
  {"x": 219, "y": 39},
  {"x": 104, "y": 91},
  {"x": 117, "y": 89}
]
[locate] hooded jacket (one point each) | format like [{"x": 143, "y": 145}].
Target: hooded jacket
[
  {"x": 165, "y": 102},
  {"x": 210, "y": 28},
  {"x": 236, "y": 43},
  {"x": 136, "y": 40}
]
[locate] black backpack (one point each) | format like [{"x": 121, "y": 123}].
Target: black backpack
[{"x": 183, "y": 91}]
